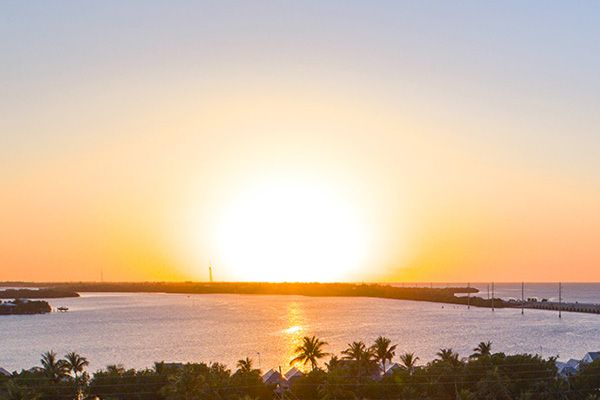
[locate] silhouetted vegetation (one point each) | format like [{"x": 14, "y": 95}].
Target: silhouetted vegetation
[
  {"x": 358, "y": 374},
  {"x": 19, "y": 306},
  {"x": 43, "y": 293},
  {"x": 441, "y": 295}
]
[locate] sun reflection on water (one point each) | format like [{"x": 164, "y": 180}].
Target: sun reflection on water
[{"x": 295, "y": 331}]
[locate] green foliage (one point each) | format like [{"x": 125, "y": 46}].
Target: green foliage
[
  {"x": 586, "y": 383},
  {"x": 13, "y": 391},
  {"x": 482, "y": 376}
]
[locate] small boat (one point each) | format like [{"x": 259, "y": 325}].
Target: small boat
[{"x": 63, "y": 309}]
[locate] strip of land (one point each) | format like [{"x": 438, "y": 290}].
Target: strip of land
[
  {"x": 42, "y": 293},
  {"x": 449, "y": 295},
  {"x": 439, "y": 295}
]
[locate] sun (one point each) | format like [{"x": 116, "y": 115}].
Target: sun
[{"x": 291, "y": 231}]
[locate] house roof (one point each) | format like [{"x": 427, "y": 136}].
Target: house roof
[
  {"x": 593, "y": 355},
  {"x": 271, "y": 375},
  {"x": 4, "y": 372},
  {"x": 392, "y": 368},
  {"x": 565, "y": 369},
  {"x": 573, "y": 363},
  {"x": 293, "y": 373}
]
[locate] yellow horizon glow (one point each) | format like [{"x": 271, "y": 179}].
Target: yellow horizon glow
[{"x": 437, "y": 141}]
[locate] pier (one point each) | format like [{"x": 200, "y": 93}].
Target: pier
[{"x": 565, "y": 307}]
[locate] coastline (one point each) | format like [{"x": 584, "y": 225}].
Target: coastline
[{"x": 447, "y": 295}]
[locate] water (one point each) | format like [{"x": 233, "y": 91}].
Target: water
[{"x": 139, "y": 329}]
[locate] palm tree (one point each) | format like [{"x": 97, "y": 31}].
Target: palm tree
[
  {"x": 115, "y": 369},
  {"x": 75, "y": 363},
  {"x": 333, "y": 363},
  {"x": 382, "y": 351},
  {"x": 54, "y": 368},
  {"x": 483, "y": 349},
  {"x": 448, "y": 356},
  {"x": 409, "y": 361},
  {"x": 356, "y": 351},
  {"x": 244, "y": 365},
  {"x": 310, "y": 351},
  {"x": 363, "y": 356}
]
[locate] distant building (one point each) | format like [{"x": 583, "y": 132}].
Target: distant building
[
  {"x": 273, "y": 377},
  {"x": 568, "y": 368},
  {"x": 392, "y": 368},
  {"x": 293, "y": 374},
  {"x": 4, "y": 372},
  {"x": 591, "y": 357},
  {"x": 572, "y": 366}
]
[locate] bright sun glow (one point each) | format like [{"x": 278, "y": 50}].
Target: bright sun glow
[{"x": 291, "y": 232}]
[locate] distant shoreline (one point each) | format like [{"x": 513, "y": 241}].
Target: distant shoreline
[
  {"x": 41, "y": 293},
  {"x": 438, "y": 295},
  {"x": 446, "y": 295}
]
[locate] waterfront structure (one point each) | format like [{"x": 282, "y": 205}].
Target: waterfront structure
[{"x": 572, "y": 366}]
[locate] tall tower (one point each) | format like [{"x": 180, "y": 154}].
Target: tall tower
[
  {"x": 559, "y": 299},
  {"x": 210, "y": 276},
  {"x": 522, "y": 298}
]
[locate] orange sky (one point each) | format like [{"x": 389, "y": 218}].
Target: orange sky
[{"x": 313, "y": 155}]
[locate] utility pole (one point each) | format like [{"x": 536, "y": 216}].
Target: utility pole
[
  {"x": 493, "y": 309},
  {"x": 522, "y": 298},
  {"x": 559, "y": 299},
  {"x": 469, "y": 296}
]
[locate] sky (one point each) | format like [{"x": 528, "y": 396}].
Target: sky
[{"x": 300, "y": 141}]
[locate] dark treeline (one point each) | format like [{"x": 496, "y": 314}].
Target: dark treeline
[
  {"x": 441, "y": 295},
  {"x": 43, "y": 293},
  {"x": 18, "y": 306},
  {"x": 375, "y": 372}
]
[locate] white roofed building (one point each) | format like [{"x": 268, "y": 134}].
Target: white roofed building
[{"x": 591, "y": 357}]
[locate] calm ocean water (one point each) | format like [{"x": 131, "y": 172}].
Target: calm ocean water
[{"x": 138, "y": 329}]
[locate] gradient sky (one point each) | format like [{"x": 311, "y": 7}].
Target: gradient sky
[{"x": 460, "y": 139}]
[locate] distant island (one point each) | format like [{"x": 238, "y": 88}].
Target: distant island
[
  {"x": 438, "y": 295},
  {"x": 43, "y": 293},
  {"x": 19, "y": 306}
]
